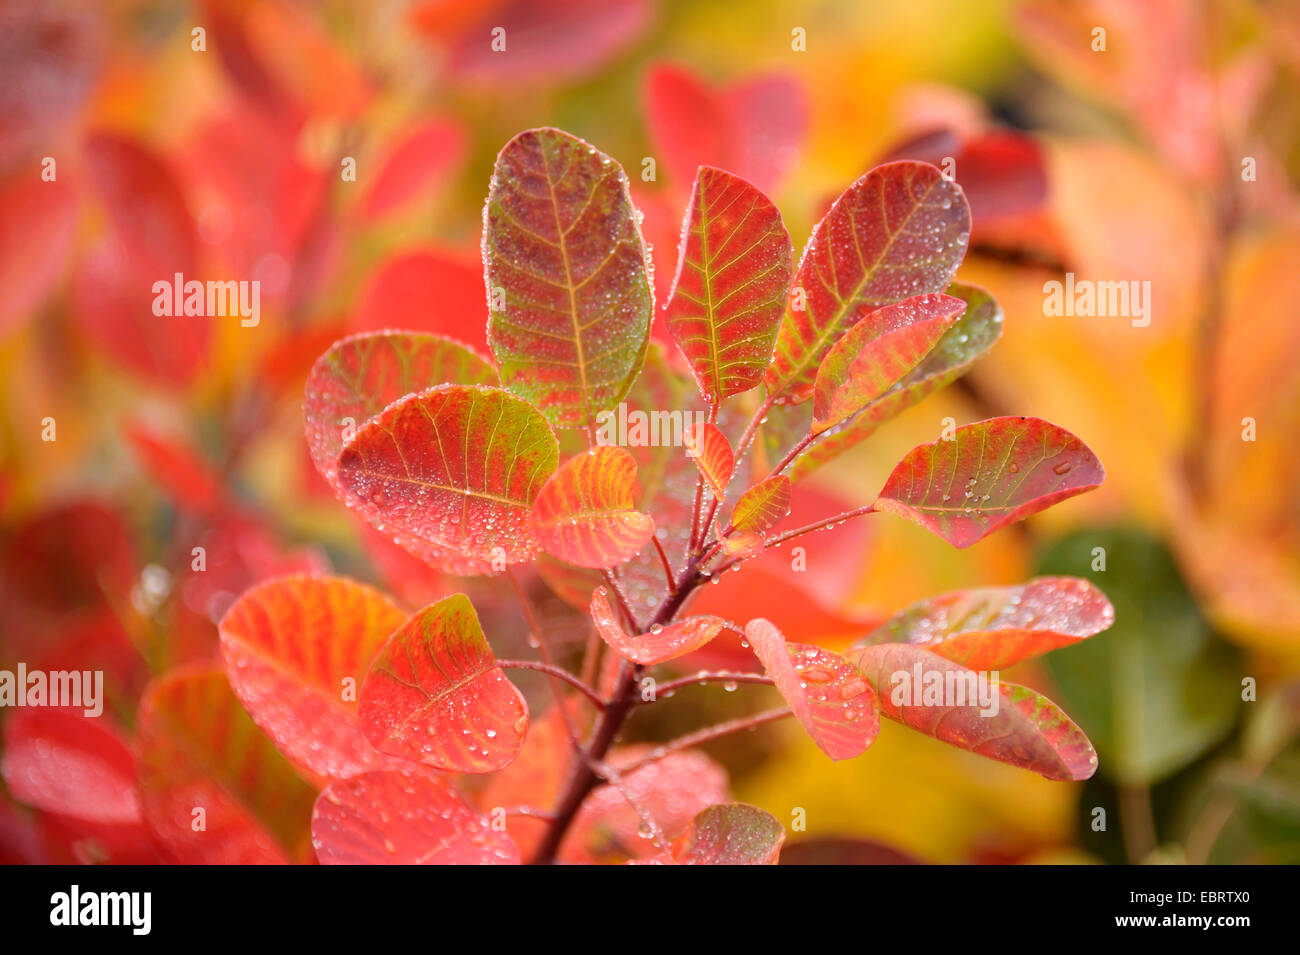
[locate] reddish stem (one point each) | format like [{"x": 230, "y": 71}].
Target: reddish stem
[
  {"x": 709, "y": 733},
  {"x": 708, "y": 676},
  {"x": 557, "y": 672}
]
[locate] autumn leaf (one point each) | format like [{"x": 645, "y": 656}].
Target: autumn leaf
[
  {"x": 671, "y": 790},
  {"x": 422, "y": 158},
  {"x": 37, "y": 233},
  {"x": 900, "y": 230},
  {"x": 755, "y": 128},
  {"x": 989, "y": 628},
  {"x": 733, "y": 278},
  {"x": 973, "y": 334},
  {"x": 990, "y": 474},
  {"x": 657, "y": 645},
  {"x": 199, "y": 750},
  {"x": 941, "y": 699},
  {"x": 584, "y": 514},
  {"x": 567, "y": 276},
  {"x": 830, "y": 699},
  {"x": 65, "y": 762},
  {"x": 712, "y": 453},
  {"x": 435, "y": 694},
  {"x": 727, "y": 834},
  {"x": 450, "y": 474},
  {"x": 762, "y": 506},
  {"x": 296, "y": 651},
  {"x": 403, "y": 817},
  {"x": 426, "y": 288},
  {"x": 363, "y": 374},
  {"x": 146, "y": 208},
  {"x": 878, "y": 352}
]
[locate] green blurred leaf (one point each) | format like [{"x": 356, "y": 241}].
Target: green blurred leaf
[{"x": 1157, "y": 689}]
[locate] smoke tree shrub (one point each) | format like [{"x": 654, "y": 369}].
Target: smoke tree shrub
[{"x": 426, "y": 750}]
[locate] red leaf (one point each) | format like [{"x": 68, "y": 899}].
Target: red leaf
[
  {"x": 199, "y": 750},
  {"x": 733, "y": 278},
  {"x": 584, "y": 514},
  {"x": 755, "y": 128},
  {"x": 728, "y": 834},
  {"x": 362, "y": 375},
  {"x": 656, "y": 646},
  {"x": 77, "y": 556},
  {"x": 38, "y": 223},
  {"x": 113, "y": 308},
  {"x": 145, "y": 207},
  {"x": 990, "y": 474},
  {"x": 829, "y": 697},
  {"x": 63, "y": 762},
  {"x": 564, "y": 253},
  {"x": 291, "y": 645},
  {"x": 403, "y": 817},
  {"x": 672, "y": 790},
  {"x": 900, "y": 230},
  {"x": 994, "y": 627},
  {"x": 177, "y": 469},
  {"x": 1002, "y": 172},
  {"x": 435, "y": 694},
  {"x": 548, "y": 40},
  {"x": 878, "y": 352},
  {"x": 973, "y": 334},
  {"x": 712, "y": 454},
  {"x": 762, "y": 506},
  {"x": 427, "y": 289},
  {"x": 451, "y": 474},
  {"x": 1027, "y": 730},
  {"x": 426, "y": 156}
]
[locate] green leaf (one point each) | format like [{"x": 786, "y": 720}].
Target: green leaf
[
  {"x": 567, "y": 277},
  {"x": 1157, "y": 689},
  {"x": 762, "y": 506}
]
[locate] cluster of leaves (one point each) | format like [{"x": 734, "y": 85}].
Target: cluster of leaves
[{"x": 475, "y": 466}]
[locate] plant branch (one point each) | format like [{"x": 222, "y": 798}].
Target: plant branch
[
  {"x": 747, "y": 436},
  {"x": 582, "y": 778},
  {"x": 623, "y": 605},
  {"x": 663, "y": 559},
  {"x": 818, "y": 525},
  {"x": 708, "y": 676},
  {"x": 710, "y": 733},
  {"x": 559, "y": 673}
]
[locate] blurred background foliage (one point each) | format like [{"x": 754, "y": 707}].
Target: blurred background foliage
[{"x": 1115, "y": 164}]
